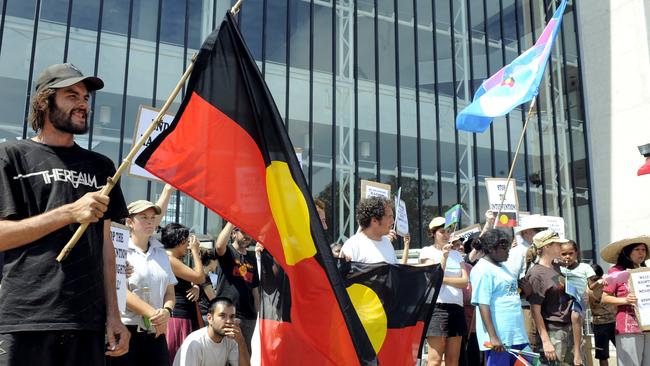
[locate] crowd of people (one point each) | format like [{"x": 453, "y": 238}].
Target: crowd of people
[{"x": 500, "y": 298}]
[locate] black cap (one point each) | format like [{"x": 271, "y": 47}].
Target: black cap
[{"x": 62, "y": 75}]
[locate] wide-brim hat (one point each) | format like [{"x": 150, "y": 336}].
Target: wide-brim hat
[
  {"x": 532, "y": 222},
  {"x": 611, "y": 251},
  {"x": 63, "y": 75},
  {"x": 546, "y": 237},
  {"x": 138, "y": 206},
  {"x": 436, "y": 222}
]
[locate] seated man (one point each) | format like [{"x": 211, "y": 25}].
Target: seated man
[{"x": 220, "y": 343}]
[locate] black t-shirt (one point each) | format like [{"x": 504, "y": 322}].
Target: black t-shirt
[
  {"x": 38, "y": 293},
  {"x": 240, "y": 272},
  {"x": 184, "y": 308}
]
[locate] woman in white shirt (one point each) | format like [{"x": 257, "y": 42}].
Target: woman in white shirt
[
  {"x": 150, "y": 293},
  {"x": 447, "y": 325}
]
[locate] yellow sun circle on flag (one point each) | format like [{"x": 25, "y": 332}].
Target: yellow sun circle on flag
[
  {"x": 503, "y": 219},
  {"x": 371, "y": 313}
]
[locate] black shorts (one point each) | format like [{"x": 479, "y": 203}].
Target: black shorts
[
  {"x": 603, "y": 334},
  {"x": 144, "y": 350},
  {"x": 52, "y": 348},
  {"x": 447, "y": 320}
]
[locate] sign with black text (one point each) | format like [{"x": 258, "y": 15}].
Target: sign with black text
[
  {"x": 146, "y": 115},
  {"x": 120, "y": 238}
]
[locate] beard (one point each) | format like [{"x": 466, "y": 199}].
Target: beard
[{"x": 62, "y": 121}]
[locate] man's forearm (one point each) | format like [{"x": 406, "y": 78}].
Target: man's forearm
[{"x": 14, "y": 234}]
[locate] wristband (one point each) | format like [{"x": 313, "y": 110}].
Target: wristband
[{"x": 168, "y": 309}]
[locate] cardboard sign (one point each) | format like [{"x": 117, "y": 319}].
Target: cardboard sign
[
  {"x": 146, "y": 115},
  {"x": 401, "y": 219},
  {"x": 640, "y": 285},
  {"x": 120, "y": 237},
  {"x": 372, "y": 189},
  {"x": 496, "y": 189}
]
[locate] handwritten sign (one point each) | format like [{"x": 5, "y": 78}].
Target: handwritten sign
[
  {"x": 640, "y": 284},
  {"x": 497, "y": 193},
  {"x": 372, "y": 189},
  {"x": 146, "y": 115},
  {"x": 401, "y": 219},
  {"x": 120, "y": 237}
]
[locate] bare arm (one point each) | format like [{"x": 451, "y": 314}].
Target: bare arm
[
  {"x": 87, "y": 209},
  {"x": 484, "y": 310},
  {"x": 163, "y": 202},
  {"x": 458, "y": 282},
  {"x": 194, "y": 275},
  {"x": 549, "y": 349},
  {"x": 630, "y": 299},
  {"x": 222, "y": 240},
  {"x": 407, "y": 245},
  {"x": 256, "y": 298},
  {"x": 118, "y": 335}
]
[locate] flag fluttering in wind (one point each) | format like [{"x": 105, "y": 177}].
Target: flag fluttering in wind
[
  {"x": 516, "y": 83},
  {"x": 228, "y": 149}
]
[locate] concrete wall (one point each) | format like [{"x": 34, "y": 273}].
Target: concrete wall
[{"x": 615, "y": 42}]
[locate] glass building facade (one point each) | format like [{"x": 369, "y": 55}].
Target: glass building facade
[{"x": 367, "y": 89}]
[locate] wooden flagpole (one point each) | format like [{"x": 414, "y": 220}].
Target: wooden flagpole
[
  {"x": 110, "y": 182},
  {"x": 512, "y": 166}
]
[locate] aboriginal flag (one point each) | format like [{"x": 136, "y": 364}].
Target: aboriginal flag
[
  {"x": 394, "y": 303},
  {"x": 228, "y": 149},
  {"x": 507, "y": 219}
]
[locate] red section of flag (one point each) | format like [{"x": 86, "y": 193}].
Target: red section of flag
[
  {"x": 402, "y": 345},
  {"x": 645, "y": 169}
]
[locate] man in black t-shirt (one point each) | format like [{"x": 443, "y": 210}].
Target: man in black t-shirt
[
  {"x": 239, "y": 267},
  {"x": 58, "y": 313}
]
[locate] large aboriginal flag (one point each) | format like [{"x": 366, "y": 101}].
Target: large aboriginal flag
[{"x": 228, "y": 149}]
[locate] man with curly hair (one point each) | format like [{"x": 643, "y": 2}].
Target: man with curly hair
[
  {"x": 371, "y": 243},
  {"x": 55, "y": 313}
]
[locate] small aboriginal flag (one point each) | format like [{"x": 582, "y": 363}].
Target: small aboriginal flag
[
  {"x": 229, "y": 149},
  {"x": 507, "y": 219}
]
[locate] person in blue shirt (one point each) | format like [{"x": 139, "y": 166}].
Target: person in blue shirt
[{"x": 500, "y": 322}]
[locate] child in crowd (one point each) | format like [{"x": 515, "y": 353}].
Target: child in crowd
[
  {"x": 603, "y": 321},
  {"x": 578, "y": 277}
]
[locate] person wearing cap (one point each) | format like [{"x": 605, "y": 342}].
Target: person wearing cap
[
  {"x": 150, "y": 295},
  {"x": 550, "y": 304},
  {"x": 518, "y": 266},
  {"x": 632, "y": 344},
  {"x": 242, "y": 283},
  {"x": 447, "y": 325},
  {"x": 50, "y": 185}
]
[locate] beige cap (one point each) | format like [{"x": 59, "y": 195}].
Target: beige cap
[
  {"x": 546, "y": 237},
  {"x": 437, "y": 221},
  {"x": 611, "y": 251},
  {"x": 141, "y": 205}
]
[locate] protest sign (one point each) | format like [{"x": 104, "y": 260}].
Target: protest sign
[
  {"x": 640, "y": 285},
  {"x": 464, "y": 233},
  {"x": 503, "y": 201},
  {"x": 145, "y": 118},
  {"x": 401, "y": 219},
  {"x": 372, "y": 189},
  {"x": 120, "y": 238}
]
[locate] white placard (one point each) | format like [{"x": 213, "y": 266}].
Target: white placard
[
  {"x": 640, "y": 280},
  {"x": 146, "y": 115},
  {"x": 554, "y": 223},
  {"x": 372, "y": 189},
  {"x": 465, "y": 233},
  {"x": 120, "y": 237},
  {"x": 401, "y": 219},
  {"x": 496, "y": 188}
]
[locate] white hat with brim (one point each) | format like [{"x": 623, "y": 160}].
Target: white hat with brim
[
  {"x": 532, "y": 222},
  {"x": 436, "y": 222},
  {"x": 611, "y": 251}
]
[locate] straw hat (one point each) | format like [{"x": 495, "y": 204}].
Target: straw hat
[
  {"x": 546, "y": 237},
  {"x": 436, "y": 221},
  {"x": 611, "y": 251},
  {"x": 532, "y": 222}
]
